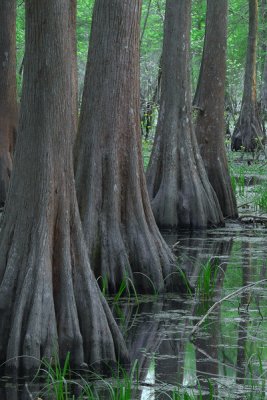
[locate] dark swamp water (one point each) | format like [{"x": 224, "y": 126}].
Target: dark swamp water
[{"x": 227, "y": 355}]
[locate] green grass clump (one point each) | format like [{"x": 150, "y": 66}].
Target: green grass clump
[
  {"x": 57, "y": 385},
  {"x": 261, "y": 197},
  {"x": 206, "y": 282},
  {"x": 123, "y": 385}
]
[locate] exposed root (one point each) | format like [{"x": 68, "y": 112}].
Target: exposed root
[{"x": 50, "y": 303}]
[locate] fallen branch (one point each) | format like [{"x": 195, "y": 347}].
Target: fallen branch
[
  {"x": 229, "y": 296},
  {"x": 254, "y": 217}
]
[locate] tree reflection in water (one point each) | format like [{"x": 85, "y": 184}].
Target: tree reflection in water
[{"x": 226, "y": 347}]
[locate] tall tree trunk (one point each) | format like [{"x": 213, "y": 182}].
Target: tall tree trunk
[
  {"x": 49, "y": 299},
  {"x": 73, "y": 12},
  {"x": 8, "y": 92},
  {"x": 178, "y": 185},
  {"x": 248, "y": 133},
  {"x": 119, "y": 227},
  {"x": 209, "y": 100}
]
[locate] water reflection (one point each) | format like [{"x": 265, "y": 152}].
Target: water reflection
[
  {"x": 243, "y": 315},
  {"x": 229, "y": 350},
  {"x": 19, "y": 391}
]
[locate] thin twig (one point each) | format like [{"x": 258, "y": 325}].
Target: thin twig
[{"x": 229, "y": 296}]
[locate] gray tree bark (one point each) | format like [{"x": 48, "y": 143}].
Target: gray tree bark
[
  {"x": 120, "y": 230},
  {"x": 209, "y": 101},
  {"x": 178, "y": 185},
  {"x": 49, "y": 299},
  {"x": 8, "y": 92}
]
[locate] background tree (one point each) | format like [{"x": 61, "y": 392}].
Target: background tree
[
  {"x": 248, "y": 133},
  {"x": 8, "y": 92},
  {"x": 209, "y": 101},
  {"x": 178, "y": 185},
  {"x": 49, "y": 299},
  {"x": 119, "y": 227}
]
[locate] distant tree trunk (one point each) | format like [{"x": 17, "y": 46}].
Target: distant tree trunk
[
  {"x": 8, "y": 92},
  {"x": 49, "y": 299},
  {"x": 119, "y": 227},
  {"x": 248, "y": 133},
  {"x": 209, "y": 100},
  {"x": 178, "y": 185}
]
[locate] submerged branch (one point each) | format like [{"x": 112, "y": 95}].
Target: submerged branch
[{"x": 229, "y": 296}]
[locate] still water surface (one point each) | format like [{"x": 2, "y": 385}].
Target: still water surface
[{"x": 227, "y": 355}]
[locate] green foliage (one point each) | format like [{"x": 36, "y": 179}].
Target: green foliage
[
  {"x": 236, "y": 46},
  {"x": 57, "y": 383},
  {"x": 197, "y": 37},
  {"x": 249, "y": 180},
  {"x": 20, "y": 42},
  {"x": 152, "y": 38},
  {"x": 123, "y": 385},
  {"x": 206, "y": 282},
  {"x": 238, "y": 182},
  {"x": 146, "y": 148}
]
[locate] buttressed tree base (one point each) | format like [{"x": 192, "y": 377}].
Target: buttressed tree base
[
  {"x": 209, "y": 101},
  {"x": 50, "y": 302},
  {"x": 124, "y": 241},
  {"x": 178, "y": 185}
]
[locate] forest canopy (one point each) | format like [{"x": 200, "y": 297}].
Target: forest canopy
[{"x": 151, "y": 43}]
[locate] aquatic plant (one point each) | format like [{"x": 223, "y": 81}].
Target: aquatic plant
[
  {"x": 126, "y": 287},
  {"x": 207, "y": 280},
  {"x": 59, "y": 384}
]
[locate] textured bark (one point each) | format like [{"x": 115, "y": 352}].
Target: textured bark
[
  {"x": 8, "y": 94},
  {"x": 209, "y": 100},
  {"x": 74, "y": 80},
  {"x": 49, "y": 299},
  {"x": 178, "y": 185},
  {"x": 248, "y": 133},
  {"x": 119, "y": 227}
]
